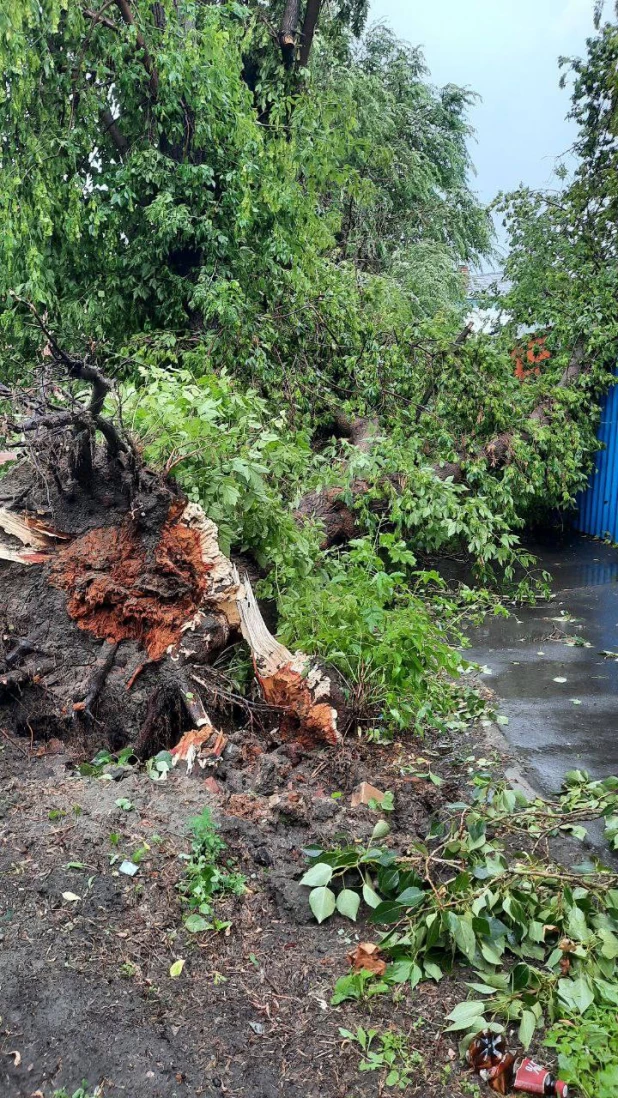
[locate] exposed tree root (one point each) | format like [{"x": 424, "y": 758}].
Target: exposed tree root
[{"x": 153, "y": 586}]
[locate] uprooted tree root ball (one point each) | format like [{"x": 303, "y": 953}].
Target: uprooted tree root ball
[
  {"x": 105, "y": 629},
  {"x": 116, "y": 597},
  {"x": 119, "y": 591}
]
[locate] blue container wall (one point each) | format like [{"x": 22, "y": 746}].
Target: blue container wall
[{"x": 598, "y": 505}]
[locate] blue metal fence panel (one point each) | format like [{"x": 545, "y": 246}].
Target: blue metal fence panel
[{"x": 598, "y": 504}]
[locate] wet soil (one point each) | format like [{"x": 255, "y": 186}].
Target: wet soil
[{"x": 85, "y": 987}]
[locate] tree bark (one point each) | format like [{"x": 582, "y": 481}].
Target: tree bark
[
  {"x": 288, "y": 31},
  {"x": 312, "y": 14}
]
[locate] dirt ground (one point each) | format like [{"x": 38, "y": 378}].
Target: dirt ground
[{"x": 85, "y": 990}]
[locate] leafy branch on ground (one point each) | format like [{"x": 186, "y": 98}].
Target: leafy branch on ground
[
  {"x": 541, "y": 939},
  {"x": 588, "y": 1051}
]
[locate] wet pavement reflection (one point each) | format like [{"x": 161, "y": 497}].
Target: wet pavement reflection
[{"x": 559, "y": 692}]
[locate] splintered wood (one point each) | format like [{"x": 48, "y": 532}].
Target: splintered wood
[
  {"x": 32, "y": 533},
  {"x": 293, "y": 682},
  {"x": 181, "y": 599}
]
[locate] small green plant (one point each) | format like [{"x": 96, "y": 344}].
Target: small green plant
[
  {"x": 588, "y": 1051},
  {"x": 204, "y": 877},
  {"x": 385, "y": 803},
  {"x": 159, "y": 767},
  {"x": 103, "y": 758},
  {"x": 388, "y": 1051}
]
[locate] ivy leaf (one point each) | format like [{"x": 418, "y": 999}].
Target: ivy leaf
[{"x": 322, "y": 903}]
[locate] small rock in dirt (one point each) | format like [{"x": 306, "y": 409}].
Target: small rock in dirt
[
  {"x": 263, "y": 856},
  {"x": 116, "y": 773},
  {"x": 291, "y": 900},
  {"x": 365, "y": 793},
  {"x": 291, "y": 807},
  {"x": 270, "y": 773},
  {"x": 257, "y": 1027},
  {"x": 212, "y": 786},
  {"x": 323, "y": 808},
  {"x": 232, "y": 753}
]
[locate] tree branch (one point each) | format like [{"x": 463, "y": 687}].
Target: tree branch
[
  {"x": 124, "y": 7},
  {"x": 306, "y": 39}
]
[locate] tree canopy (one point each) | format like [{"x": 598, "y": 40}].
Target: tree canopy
[{"x": 253, "y": 218}]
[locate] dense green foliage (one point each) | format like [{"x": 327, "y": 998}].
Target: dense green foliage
[
  {"x": 588, "y": 1051},
  {"x": 251, "y": 249},
  {"x": 467, "y": 893}
]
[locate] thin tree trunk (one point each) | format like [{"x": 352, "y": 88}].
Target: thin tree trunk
[
  {"x": 311, "y": 21},
  {"x": 288, "y": 30}
]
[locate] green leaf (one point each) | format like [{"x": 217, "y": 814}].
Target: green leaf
[
  {"x": 465, "y": 938},
  {"x": 492, "y": 952},
  {"x": 411, "y": 897},
  {"x": 389, "y": 911},
  {"x": 399, "y": 972},
  {"x": 577, "y": 994},
  {"x": 322, "y": 903},
  {"x": 370, "y": 897},
  {"x": 470, "y": 1008},
  {"x": 381, "y": 830},
  {"x": 176, "y": 968},
  {"x": 319, "y": 874},
  {"x": 348, "y": 903},
  {"x": 432, "y": 970},
  {"x": 577, "y": 926},
  {"x": 197, "y": 923},
  {"x": 527, "y": 1027},
  {"x": 473, "y": 1022},
  {"x": 609, "y": 946}
]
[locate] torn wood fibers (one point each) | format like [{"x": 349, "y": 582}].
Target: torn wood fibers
[{"x": 169, "y": 598}]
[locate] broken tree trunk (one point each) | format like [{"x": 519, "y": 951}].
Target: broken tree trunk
[{"x": 288, "y": 30}]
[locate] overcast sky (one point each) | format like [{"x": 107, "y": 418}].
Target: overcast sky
[{"x": 507, "y": 50}]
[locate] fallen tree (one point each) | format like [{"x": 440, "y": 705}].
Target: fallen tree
[
  {"x": 334, "y": 507},
  {"x": 115, "y": 594}
]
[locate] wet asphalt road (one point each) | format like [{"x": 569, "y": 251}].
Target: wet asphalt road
[{"x": 560, "y": 725}]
